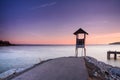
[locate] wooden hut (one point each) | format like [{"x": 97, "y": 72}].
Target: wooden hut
[{"x": 80, "y": 40}]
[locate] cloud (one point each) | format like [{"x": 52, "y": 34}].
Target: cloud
[
  {"x": 48, "y": 4},
  {"x": 44, "y": 5}
]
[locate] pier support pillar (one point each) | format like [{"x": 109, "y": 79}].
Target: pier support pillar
[
  {"x": 115, "y": 56},
  {"x": 108, "y": 55}
]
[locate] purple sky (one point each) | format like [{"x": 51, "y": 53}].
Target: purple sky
[{"x": 53, "y": 21}]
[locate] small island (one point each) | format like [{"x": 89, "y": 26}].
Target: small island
[
  {"x": 5, "y": 43},
  {"x": 114, "y": 43}
]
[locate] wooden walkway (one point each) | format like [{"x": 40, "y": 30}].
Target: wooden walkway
[
  {"x": 112, "y": 52},
  {"x": 57, "y": 69}
]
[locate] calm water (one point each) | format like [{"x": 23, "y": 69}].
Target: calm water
[{"x": 22, "y": 56}]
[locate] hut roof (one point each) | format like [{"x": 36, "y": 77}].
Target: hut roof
[{"x": 79, "y": 31}]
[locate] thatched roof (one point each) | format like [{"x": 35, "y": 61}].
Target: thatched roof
[{"x": 80, "y": 31}]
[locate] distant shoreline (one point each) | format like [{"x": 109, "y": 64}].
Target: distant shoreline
[
  {"x": 44, "y": 44},
  {"x": 114, "y": 43},
  {"x": 5, "y": 43}
]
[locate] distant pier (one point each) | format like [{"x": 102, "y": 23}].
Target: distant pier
[{"x": 112, "y": 52}]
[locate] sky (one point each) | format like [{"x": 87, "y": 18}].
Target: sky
[{"x": 55, "y": 21}]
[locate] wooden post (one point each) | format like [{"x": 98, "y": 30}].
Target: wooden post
[
  {"x": 84, "y": 45},
  {"x": 76, "y": 52},
  {"x": 108, "y": 55},
  {"x": 84, "y": 51},
  {"x": 115, "y": 56}
]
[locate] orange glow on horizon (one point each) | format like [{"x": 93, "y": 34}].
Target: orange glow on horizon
[
  {"x": 103, "y": 39},
  {"x": 91, "y": 39}
]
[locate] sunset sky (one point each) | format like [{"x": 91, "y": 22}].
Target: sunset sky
[{"x": 55, "y": 21}]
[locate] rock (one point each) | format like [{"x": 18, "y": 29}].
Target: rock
[
  {"x": 115, "y": 71},
  {"x": 100, "y": 71}
]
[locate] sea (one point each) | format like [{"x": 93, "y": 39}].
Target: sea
[{"x": 21, "y": 57}]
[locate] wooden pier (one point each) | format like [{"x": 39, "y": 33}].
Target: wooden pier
[{"x": 112, "y": 52}]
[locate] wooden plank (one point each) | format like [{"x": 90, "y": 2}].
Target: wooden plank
[{"x": 113, "y": 52}]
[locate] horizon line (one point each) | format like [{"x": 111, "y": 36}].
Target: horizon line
[{"x": 53, "y": 44}]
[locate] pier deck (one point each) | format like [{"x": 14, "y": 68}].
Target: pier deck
[
  {"x": 112, "y": 52},
  {"x": 57, "y": 69}
]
